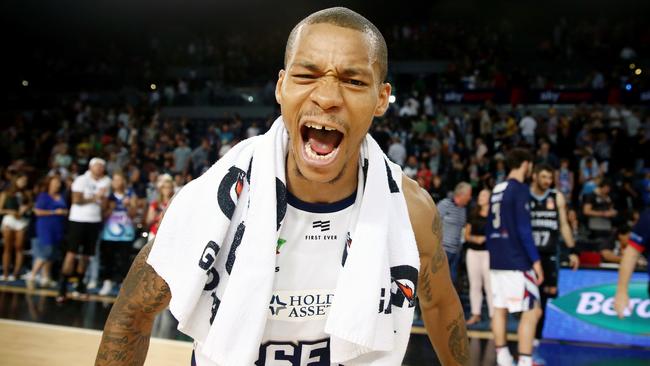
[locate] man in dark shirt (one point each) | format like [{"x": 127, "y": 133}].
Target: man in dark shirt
[{"x": 599, "y": 210}]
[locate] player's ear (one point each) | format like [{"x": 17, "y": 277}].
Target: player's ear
[
  {"x": 278, "y": 86},
  {"x": 383, "y": 100}
]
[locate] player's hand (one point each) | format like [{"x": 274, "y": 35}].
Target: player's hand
[
  {"x": 621, "y": 301},
  {"x": 574, "y": 261},
  {"x": 539, "y": 273}
]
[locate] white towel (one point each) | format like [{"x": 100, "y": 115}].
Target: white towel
[{"x": 216, "y": 249}]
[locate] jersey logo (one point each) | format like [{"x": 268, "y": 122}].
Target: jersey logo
[
  {"x": 277, "y": 305},
  {"x": 323, "y": 225},
  {"x": 300, "y": 305},
  {"x": 550, "y": 204},
  {"x": 281, "y": 242}
]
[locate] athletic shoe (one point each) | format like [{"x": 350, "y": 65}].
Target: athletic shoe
[
  {"x": 537, "y": 360},
  {"x": 92, "y": 284},
  {"x": 107, "y": 288},
  {"x": 47, "y": 282},
  {"x": 3, "y": 278},
  {"x": 11, "y": 278}
]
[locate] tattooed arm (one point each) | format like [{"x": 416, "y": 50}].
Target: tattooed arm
[
  {"x": 441, "y": 310},
  {"x": 126, "y": 334}
]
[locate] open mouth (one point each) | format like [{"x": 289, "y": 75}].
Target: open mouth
[{"x": 321, "y": 142}]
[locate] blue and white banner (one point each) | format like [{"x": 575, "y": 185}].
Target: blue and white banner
[{"x": 584, "y": 310}]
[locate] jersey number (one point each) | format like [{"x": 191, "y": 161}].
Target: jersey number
[
  {"x": 541, "y": 238},
  {"x": 496, "y": 213}
]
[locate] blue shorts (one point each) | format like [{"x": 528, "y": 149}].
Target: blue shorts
[{"x": 46, "y": 252}]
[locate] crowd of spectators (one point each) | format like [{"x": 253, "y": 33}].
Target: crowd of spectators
[
  {"x": 600, "y": 153},
  {"x": 195, "y": 68}
]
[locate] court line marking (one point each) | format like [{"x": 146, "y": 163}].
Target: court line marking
[{"x": 171, "y": 342}]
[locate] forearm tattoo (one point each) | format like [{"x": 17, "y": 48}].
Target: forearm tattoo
[
  {"x": 126, "y": 335},
  {"x": 458, "y": 342}
]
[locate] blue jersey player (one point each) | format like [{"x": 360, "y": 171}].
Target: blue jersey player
[
  {"x": 515, "y": 267},
  {"x": 639, "y": 243}
]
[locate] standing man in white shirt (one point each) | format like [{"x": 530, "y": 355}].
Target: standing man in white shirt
[
  {"x": 527, "y": 125},
  {"x": 89, "y": 195}
]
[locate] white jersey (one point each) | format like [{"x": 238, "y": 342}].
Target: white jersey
[{"x": 310, "y": 254}]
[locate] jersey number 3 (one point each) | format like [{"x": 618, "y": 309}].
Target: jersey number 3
[{"x": 496, "y": 215}]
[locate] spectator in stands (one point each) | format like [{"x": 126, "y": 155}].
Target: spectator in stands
[
  {"x": 527, "y": 125},
  {"x": 545, "y": 156},
  {"x": 16, "y": 205},
  {"x": 165, "y": 190},
  {"x": 118, "y": 233},
  {"x": 89, "y": 194},
  {"x": 454, "y": 217},
  {"x": 478, "y": 258},
  {"x": 438, "y": 191},
  {"x": 397, "y": 151},
  {"x": 182, "y": 155},
  {"x": 51, "y": 211},
  {"x": 200, "y": 158},
  {"x": 564, "y": 179},
  {"x": 599, "y": 210},
  {"x": 411, "y": 167},
  {"x": 612, "y": 251}
]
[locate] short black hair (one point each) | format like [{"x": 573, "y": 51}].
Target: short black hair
[
  {"x": 543, "y": 167},
  {"x": 518, "y": 156},
  {"x": 346, "y": 18}
]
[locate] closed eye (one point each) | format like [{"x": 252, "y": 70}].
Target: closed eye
[
  {"x": 304, "y": 76},
  {"x": 355, "y": 82}
]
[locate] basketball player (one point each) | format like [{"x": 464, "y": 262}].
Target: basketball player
[
  {"x": 639, "y": 243},
  {"x": 548, "y": 213},
  {"x": 515, "y": 267},
  {"x": 335, "y": 67}
]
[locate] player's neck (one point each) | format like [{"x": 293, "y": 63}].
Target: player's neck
[
  {"x": 517, "y": 174},
  {"x": 536, "y": 190},
  {"x": 318, "y": 192}
]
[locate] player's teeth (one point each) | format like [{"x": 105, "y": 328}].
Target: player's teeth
[
  {"x": 329, "y": 128},
  {"x": 315, "y": 126},
  {"x": 312, "y": 154}
]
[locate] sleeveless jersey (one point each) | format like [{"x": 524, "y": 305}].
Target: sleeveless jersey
[
  {"x": 309, "y": 256},
  {"x": 545, "y": 221}
]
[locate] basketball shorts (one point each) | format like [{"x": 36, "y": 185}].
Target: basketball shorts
[{"x": 514, "y": 290}]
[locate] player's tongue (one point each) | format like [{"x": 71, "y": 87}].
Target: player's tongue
[{"x": 322, "y": 142}]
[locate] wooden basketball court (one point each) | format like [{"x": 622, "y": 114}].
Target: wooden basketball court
[{"x": 34, "y": 344}]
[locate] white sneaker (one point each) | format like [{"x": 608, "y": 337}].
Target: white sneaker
[
  {"x": 92, "y": 285},
  {"x": 505, "y": 359},
  {"x": 46, "y": 282},
  {"x": 107, "y": 287},
  {"x": 27, "y": 276},
  {"x": 11, "y": 278}
]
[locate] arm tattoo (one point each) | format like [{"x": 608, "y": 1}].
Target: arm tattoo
[
  {"x": 126, "y": 335},
  {"x": 432, "y": 267},
  {"x": 458, "y": 341},
  {"x": 425, "y": 286},
  {"x": 438, "y": 258}
]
